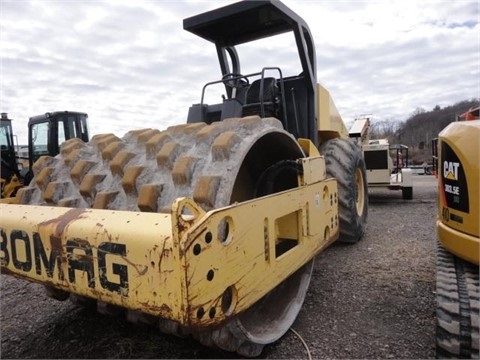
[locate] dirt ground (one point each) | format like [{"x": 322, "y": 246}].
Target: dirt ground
[{"x": 374, "y": 299}]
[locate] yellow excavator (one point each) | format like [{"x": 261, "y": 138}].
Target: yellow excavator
[
  {"x": 208, "y": 228},
  {"x": 458, "y": 251}
]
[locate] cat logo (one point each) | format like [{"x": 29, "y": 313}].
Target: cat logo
[{"x": 450, "y": 170}]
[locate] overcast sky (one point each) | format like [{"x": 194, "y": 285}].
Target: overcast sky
[{"x": 129, "y": 64}]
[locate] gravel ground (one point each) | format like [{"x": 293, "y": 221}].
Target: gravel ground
[{"x": 374, "y": 299}]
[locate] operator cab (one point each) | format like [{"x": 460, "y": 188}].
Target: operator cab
[
  {"x": 266, "y": 93},
  {"x": 48, "y": 131},
  {"x": 252, "y": 94}
]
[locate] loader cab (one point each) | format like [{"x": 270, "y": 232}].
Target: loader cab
[
  {"x": 48, "y": 131},
  {"x": 266, "y": 92}
]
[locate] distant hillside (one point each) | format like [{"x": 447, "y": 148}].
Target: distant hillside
[{"x": 420, "y": 128}]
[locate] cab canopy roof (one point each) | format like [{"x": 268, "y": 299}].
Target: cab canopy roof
[{"x": 243, "y": 22}]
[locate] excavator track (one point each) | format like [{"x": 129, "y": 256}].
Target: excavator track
[
  {"x": 458, "y": 307},
  {"x": 146, "y": 170}
]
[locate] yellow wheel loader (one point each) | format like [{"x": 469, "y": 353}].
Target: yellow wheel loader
[
  {"x": 458, "y": 251},
  {"x": 208, "y": 228}
]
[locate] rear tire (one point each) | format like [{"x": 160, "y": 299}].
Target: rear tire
[{"x": 345, "y": 163}]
